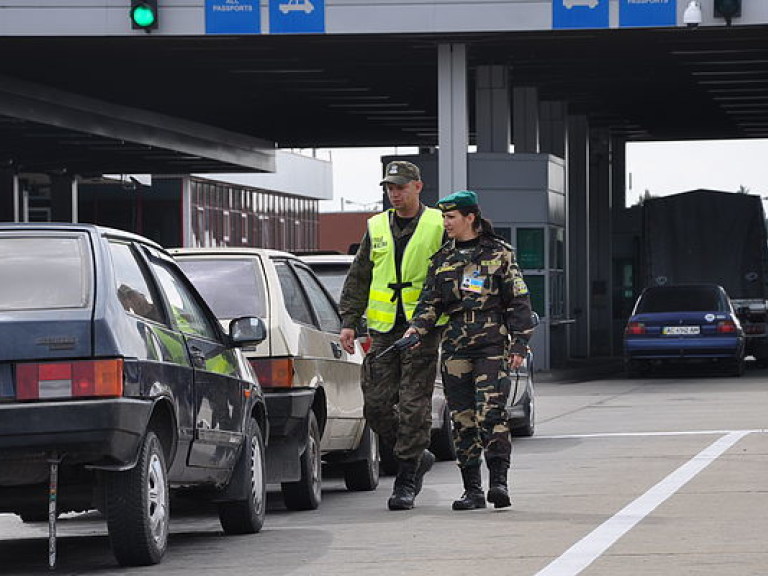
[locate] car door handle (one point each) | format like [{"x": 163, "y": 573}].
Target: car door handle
[
  {"x": 336, "y": 350},
  {"x": 198, "y": 358}
]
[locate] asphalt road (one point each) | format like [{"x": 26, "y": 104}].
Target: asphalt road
[{"x": 659, "y": 476}]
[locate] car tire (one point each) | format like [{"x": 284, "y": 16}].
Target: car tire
[
  {"x": 306, "y": 493},
  {"x": 528, "y": 426},
  {"x": 442, "y": 445},
  {"x": 363, "y": 475},
  {"x": 247, "y": 516},
  {"x": 138, "y": 513}
]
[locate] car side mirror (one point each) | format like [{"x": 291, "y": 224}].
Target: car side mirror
[{"x": 247, "y": 331}]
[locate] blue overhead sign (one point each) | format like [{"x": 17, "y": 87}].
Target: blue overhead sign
[
  {"x": 580, "y": 13},
  {"x": 639, "y": 13},
  {"x": 232, "y": 17},
  {"x": 296, "y": 16}
]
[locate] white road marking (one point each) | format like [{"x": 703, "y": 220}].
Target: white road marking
[
  {"x": 594, "y": 544},
  {"x": 640, "y": 434}
]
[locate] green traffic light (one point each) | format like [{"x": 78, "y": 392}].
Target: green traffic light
[{"x": 143, "y": 16}]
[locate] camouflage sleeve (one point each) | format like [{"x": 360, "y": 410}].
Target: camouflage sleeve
[
  {"x": 429, "y": 307},
  {"x": 517, "y": 302},
  {"x": 354, "y": 294}
]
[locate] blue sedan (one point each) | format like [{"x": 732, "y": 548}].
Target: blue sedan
[{"x": 683, "y": 323}]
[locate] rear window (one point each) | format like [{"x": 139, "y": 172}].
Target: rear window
[
  {"x": 680, "y": 299},
  {"x": 40, "y": 273},
  {"x": 332, "y": 277},
  {"x": 232, "y": 287}
]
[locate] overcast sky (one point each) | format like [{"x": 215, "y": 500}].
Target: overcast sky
[{"x": 661, "y": 168}]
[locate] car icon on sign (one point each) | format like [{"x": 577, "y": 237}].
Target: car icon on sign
[
  {"x": 571, "y": 3},
  {"x": 293, "y": 5}
]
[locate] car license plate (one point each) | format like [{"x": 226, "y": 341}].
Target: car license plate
[{"x": 680, "y": 330}]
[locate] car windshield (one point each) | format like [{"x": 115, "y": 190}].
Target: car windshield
[
  {"x": 40, "y": 273},
  {"x": 232, "y": 287},
  {"x": 680, "y": 299}
]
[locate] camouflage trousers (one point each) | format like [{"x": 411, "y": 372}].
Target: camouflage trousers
[
  {"x": 476, "y": 390},
  {"x": 397, "y": 389}
]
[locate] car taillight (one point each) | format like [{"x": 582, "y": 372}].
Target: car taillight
[
  {"x": 754, "y": 328},
  {"x": 79, "y": 379},
  {"x": 635, "y": 328},
  {"x": 273, "y": 372},
  {"x": 726, "y": 327}
]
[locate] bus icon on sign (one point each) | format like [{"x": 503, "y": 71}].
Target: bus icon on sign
[
  {"x": 297, "y": 5},
  {"x": 588, "y": 3}
]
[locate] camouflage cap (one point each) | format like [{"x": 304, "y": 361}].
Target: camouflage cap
[
  {"x": 461, "y": 199},
  {"x": 400, "y": 172}
]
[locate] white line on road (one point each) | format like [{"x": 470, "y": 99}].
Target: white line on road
[
  {"x": 640, "y": 434},
  {"x": 594, "y": 544}
]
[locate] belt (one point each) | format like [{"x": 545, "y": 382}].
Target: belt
[{"x": 475, "y": 316}]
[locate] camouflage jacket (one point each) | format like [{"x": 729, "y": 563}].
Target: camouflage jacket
[
  {"x": 354, "y": 295},
  {"x": 482, "y": 290}
]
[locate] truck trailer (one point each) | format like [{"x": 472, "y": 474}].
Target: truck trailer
[{"x": 711, "y": 236}]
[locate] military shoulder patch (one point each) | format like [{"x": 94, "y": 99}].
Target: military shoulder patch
[{"x": 521, "y": 288}]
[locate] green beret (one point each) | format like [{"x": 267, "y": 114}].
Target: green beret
[{"x": 461, "y": 199}]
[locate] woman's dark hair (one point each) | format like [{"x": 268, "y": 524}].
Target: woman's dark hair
[{"x": 481, "y": 225}]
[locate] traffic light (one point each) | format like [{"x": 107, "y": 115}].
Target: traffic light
[
  {"x": 143, "y": 14},
  {"x": 727, "y": 9}
]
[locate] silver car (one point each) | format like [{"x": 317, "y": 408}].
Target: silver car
[{"x": 311, "y": 385}]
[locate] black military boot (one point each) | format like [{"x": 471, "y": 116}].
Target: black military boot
[
  {"x": 497, "y": 493},
  {"x": 404, "y": 490},
  {"x": 473, "y": 497},
  {"x": 425, "y": 465}
]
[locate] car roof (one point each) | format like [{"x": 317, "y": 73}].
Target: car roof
[
  {"x": 328, "y": 258},
  {"x": 69, "y": 226},
  {"x": 231, "y": 251}
]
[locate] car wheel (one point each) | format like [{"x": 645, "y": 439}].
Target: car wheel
[
  {"x": 528, "y": 426},
  {"x": 306, "y": 493},
  {"x": 363, "y": 475},
  {"x": 442, "y": 445},
  {"x": 247, "y": 516},
  {"x": 138, "y": 513}
]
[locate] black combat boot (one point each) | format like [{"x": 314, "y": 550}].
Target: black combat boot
[
  {"x": 404, "y": 490},
  {"x": 425, "y": 465},
  {"x": 473, "y": 497},
  {"x": 497, "y": 494}
]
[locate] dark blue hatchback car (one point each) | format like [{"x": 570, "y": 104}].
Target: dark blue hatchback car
[
  {"x": 117, "y": 381},
  {"x": 683, "y": 323}
]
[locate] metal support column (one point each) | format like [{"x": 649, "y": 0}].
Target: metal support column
[
  {"x": 578, "y": 238},
  {"x": 453, "y": 122}
]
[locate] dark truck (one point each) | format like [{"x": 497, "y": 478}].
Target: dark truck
[{"x": 715, "y": 237}]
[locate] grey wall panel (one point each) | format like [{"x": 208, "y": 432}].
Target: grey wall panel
[
  {"x": 344, "y": 16},
  {"x": 513, "y": 207}
]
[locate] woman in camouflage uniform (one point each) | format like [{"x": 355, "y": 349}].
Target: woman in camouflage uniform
[{"x": 474, "y": 279}]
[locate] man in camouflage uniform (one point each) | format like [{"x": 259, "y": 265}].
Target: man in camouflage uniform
[
  {"x": 475, "y": 280},
  {"x": 384, "y": 283}
]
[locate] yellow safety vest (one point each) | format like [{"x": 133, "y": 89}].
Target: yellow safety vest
[{"x": 426, "y": 240}]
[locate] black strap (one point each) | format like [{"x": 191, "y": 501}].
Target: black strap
[{"x": 397, "y": 288}]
